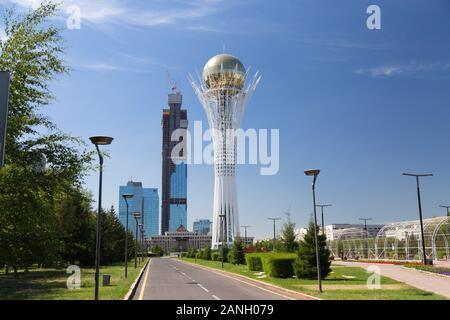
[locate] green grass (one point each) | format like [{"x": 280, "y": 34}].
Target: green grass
[
  {"x": 344, "y": 283},
  {"x": 51, "y": 284}
]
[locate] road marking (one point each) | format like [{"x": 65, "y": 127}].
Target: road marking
[
  {"x": 202, "y": 287},
  {"x": 245, "y": 282},
  {"x": 215, "y": 297},
  {"x": 144, "y": 284}
]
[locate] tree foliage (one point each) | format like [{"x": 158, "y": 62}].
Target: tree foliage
[
  {"x": 306, "y": 264},
  {"x": 288, "y": 238}
]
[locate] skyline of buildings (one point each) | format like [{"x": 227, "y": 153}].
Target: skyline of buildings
[
  {"x": 145, "y": 201},
  {"x": 174, "y": 167}
]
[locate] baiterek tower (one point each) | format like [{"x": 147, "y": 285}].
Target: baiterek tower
[{"x": 224, "y": 97}]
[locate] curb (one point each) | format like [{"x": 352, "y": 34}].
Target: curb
[
  {"x": 250, "y": 280},
  {"x": 427, "y": 272},
  {"x": 130, "y": 294}
]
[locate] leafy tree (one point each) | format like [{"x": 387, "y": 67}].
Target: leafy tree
[
  {"x": 237, "y": 252},
  {"x": 76, "y": 226},
  {"x": 223, "y": 252},
  {"x": 29, "y": 199},
  {"x": 113, "y": 238},
  {"x": 288, "y": 238},
  {"x": 306, "y": 264},
  {"x": 207, "y": 252}
]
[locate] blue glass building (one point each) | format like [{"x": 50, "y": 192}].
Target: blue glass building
[
  {"x": 146, "y": 201},
  {"x": 202, "y": 226}
]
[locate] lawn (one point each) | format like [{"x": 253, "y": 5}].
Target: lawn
[
  {"x": 344, "y": 283},
  {"x": 51, "y": 284}
]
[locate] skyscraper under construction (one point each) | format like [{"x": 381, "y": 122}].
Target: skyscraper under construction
[{"x": 174, "y": 168}]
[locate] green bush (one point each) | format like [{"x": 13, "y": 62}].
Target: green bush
[
  {"x": 279, "y": 267},
  {"x": 237, "y": 253},
  {"x": 226, "y": 252},
  {"x": 185, "y": 254},
  {"x": 215, "y": 256},
  {"x": 254, "y": 262},
  {"x": 199, "y": 255}
]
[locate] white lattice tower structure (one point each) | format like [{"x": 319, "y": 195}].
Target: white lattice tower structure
[{"x": 224, "y": 98}]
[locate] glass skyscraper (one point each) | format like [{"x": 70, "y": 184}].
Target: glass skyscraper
[
  {"x": 202, "y": 226},
  {"x": 146, "y": 201},
  {"x": 174, "y": 168}
]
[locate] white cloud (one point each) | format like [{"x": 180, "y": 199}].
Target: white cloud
[
  {"x": 404, "y": 69},
  {"x": 120, "y": 12},
  {"x": 104, "y": 67}
]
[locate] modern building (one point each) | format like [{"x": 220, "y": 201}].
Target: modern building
[
  {"x": 174, "y": 168},
  {"x": 180, "y": 240},
  {"x": 354, "y": 231},
  {"x": 223, "y": 96},
  {"x": 202, "y": 226},
  {"x": 145, "y": 201}
]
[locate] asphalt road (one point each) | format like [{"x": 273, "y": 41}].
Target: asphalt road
[{"x": 170, "y": 279}]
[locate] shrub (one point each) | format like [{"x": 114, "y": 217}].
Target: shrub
[
  {"x": 237, "y": 253},
  {"x": 254, "y": 262},
  {"x": 215, "y": 256},
  {"x": 226, "y": 252},
  {"x": 185, "y": 254},
  {"x": 199, "y": 255},
  {"x": 279, "y": 267}
]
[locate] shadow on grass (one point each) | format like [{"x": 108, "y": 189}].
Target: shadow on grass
[{"x": 32, "y": 284}]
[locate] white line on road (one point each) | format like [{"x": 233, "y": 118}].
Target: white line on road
[
  {"x": 215, "y": 297},
  {"x": 202, "y": 287},
  {"x": 144, "y": 284}
]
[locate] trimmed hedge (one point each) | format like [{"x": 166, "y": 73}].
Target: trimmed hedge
[
  {"x": 279, "y": 267},
  {"x": 254, "y": 262},
  {"x": 276, "y": 265}
]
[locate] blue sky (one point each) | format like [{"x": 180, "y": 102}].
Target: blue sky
[{"x": 362, "y": 105}]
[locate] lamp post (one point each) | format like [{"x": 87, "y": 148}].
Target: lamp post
[
  {"x": 245, "y": 233},
  {"x": 314, "y": 173},
  {"x": 126, "y": 196},
  {"x": 222, "y": 231},
  {"x": 417, "y": 176},
  {"x": 274, "y": 235},
  {"x": 137, "y": 216},
  {"x": 367, "y": 233},
  {"x": 321, "y": 206},
  {"x": 446, "y": 209},
  {"x": 99, "y": 141},
  {"x": 141, "y": 228}
]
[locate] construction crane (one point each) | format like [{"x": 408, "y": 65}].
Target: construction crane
[{"x": 173, "y": 84}]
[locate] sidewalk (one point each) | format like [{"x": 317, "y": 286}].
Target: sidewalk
[{"x": 424, "y": 281}]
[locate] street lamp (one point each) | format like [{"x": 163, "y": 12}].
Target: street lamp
[
  {"x": 222, "y": 230},
  {"x": 367, "y": 233},
  {"x": 417, "y": 176},
  {"x": 446, "y": 209},
  {"x": 314, "y": 173},
  {"x": 137, "y": 216},
  {"x": 126, "y": 196},
  {"x": 245, "y": 232},
  {"x": 321, "y": 206},
  {"x": 141, "y": 228},
  {"x": 99, "y": 141},
  {"x": 274, "y": 236}
]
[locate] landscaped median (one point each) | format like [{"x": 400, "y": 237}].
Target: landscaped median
[
  {"x": 343, "y": 283},
  {"x": 51, "y": 284}
]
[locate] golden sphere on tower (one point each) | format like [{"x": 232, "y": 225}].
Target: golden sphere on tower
[{"x": 224, "y": 71}]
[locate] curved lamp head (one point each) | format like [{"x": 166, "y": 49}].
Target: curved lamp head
[
  {"x": 312, "y": 172},
  {"x": 127, "y": 196},
  {"x": 140, "y": 225},
  {"x": 101, "y": 140},
  {"x": 137, "y": 215}
]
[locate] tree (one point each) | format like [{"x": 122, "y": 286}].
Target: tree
[
  {"x": 306, "y": 264},
  {"x": 76, "y": 227},
  {"x": 207, "y": 252},
  {"x": 237, "y": 252},
  {"x": 288, "y": 238},
  {"x": 29, "y": 198}
]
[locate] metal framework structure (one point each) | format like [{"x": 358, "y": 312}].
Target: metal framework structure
[
  {"x": 396, "y": 241},
  {"x": 224, "y": 99}
]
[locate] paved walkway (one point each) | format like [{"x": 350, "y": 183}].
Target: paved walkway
[{"x": 421, "y": 280}]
